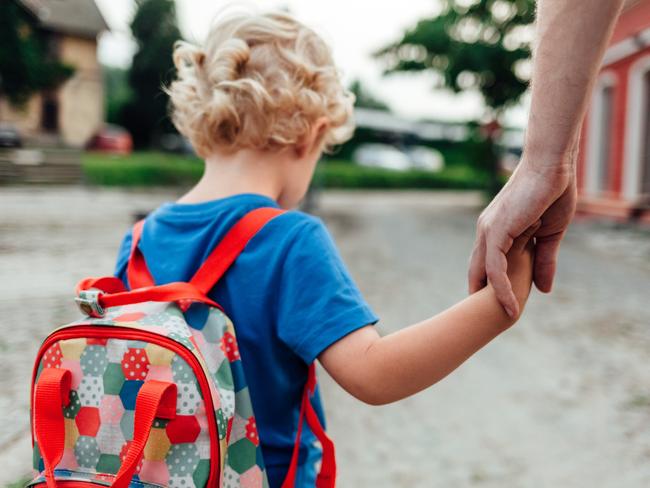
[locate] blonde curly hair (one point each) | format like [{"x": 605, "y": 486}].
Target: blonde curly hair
[{"x": 260, "y": 81}]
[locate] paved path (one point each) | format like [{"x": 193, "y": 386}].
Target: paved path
[{"x": 560, "y": 400}]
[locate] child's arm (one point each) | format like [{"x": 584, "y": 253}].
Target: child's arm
[{"x": 379, "y": 370}]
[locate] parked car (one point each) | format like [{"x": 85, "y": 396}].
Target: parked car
[
  {"x": 9, "y": 136},
  {"x": 390, "y": 157},
  {"x": 384, "y": 156},
  {"x": 175, "y": 143},
  {"x": 111, "y": 139},
  {"x": 425, "y": 158},
  {"x": 509, "y": 160}
]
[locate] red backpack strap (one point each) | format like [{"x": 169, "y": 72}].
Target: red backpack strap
[
  {"x": 231, "y": 246},
  {"x": 51, "y": 394},
  {"x": 327, "y": 475},
  {"x": 137, "y": 273}
]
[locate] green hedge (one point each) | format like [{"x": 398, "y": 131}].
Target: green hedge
[
  {"x": 159, "y": 169},
  {"x": 141, "y": 169},
  {"x": 346, "y": 175}
]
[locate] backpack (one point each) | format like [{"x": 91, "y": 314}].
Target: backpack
[{"x": 148, "y": 389}]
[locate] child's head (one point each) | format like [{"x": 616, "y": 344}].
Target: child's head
[{"x": 263, "y": 82}]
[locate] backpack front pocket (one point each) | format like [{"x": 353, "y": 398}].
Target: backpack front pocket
[{"x": 109, "y": 367}]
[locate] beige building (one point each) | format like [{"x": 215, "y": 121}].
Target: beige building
[{"x": 74, "y": 111}]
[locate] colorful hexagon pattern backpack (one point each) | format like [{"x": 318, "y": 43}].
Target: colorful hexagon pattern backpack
[{"x": 148, "y": 389}]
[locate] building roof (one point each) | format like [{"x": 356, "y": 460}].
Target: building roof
[{"x": 78, "y": 17}]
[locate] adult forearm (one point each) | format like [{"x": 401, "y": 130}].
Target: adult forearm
[{"x": 571, "y": 39}]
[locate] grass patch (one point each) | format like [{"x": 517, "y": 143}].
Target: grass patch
[{"x": 160, "y": 169}]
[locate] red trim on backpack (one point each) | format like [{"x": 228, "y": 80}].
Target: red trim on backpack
[{"x": 69, "y": 484}]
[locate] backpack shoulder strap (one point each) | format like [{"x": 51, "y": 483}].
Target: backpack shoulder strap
[
  {"x": 219, "y": 260},
  {"x": 231, "y": 246},
  {"x": 137, "y": 273},
  {"x": 327, "y": 475}
]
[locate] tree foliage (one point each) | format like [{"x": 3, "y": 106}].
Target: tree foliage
[
  {"x": 117, "y": 93},
  {"x": 25, "y": 66},
  {"x": 470, "y": 44},
  {"x": 365, "y": 99},
  {"x": 155, "y": 30}
]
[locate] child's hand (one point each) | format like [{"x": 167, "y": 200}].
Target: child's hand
[{"x": 520, "y": 265}]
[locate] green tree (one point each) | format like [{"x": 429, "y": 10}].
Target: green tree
[
  {"x": 155, "y": 30},
  {"x": 25, "y": 66},
  {"x": 471, "y": 45},
  {"x": 117, "y": 93},
  {"x": 365, "y": 99},
  {"x": 479, "y": 45}
]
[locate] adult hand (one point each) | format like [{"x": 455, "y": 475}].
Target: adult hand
[{"x": 544, "y": 195}]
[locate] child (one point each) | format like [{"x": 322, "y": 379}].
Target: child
[{"x": 260, "y": 102}]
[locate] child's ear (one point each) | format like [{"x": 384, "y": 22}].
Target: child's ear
[{"x": 314, "y": 138}]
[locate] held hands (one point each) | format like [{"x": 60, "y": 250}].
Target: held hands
[
  {"x": 520, "y": 260},
  {"x": 544, "y": 197}
]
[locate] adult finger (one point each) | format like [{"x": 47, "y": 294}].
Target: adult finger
[
  {"x": 496, "y": 266},
  {"x": 476, "y": 276},
  {"x": 546, "y": 252}
]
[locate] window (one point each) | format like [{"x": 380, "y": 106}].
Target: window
[
  {"x": 599, "y": 137},
  {"x": 636, "y": 173},
  {"x": 50, "y": 112},
  {"x": 645, "y": 155},
  {"x": 604, "y": 139}
]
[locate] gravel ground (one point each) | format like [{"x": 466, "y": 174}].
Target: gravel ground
[{"x": 560, "y": 400}]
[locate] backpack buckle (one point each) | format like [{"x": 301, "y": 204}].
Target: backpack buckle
[{"x": 88, "y": 303}]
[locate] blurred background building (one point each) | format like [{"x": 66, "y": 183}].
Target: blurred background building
[
  {"x": 73, "y": 111},
  {"x": 614, "y": 169}
]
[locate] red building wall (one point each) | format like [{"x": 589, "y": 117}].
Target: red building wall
[{"x": 632, "y": 21}]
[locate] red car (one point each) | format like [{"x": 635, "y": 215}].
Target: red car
[{"x": 111, "y": 139}]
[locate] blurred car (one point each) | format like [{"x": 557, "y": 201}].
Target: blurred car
[
  {"x": 111, "y": 139},
  {"x": 510, "y": 157},
  {"x": 9, "y": 136},
  {"x": 381, "y": 156},
  {"x": 425, "y": 158},
  {"x": 175, "y": 143}
]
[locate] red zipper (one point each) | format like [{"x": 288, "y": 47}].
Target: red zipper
[
  {"x": 127, "y": 333},
  {"x": 68, "y": 484}
]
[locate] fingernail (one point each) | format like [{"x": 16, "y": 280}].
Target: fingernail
[{"x": 510, "y": 313}]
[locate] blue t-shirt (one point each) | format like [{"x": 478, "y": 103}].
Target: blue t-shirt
[{"x": 289, "y": 295}]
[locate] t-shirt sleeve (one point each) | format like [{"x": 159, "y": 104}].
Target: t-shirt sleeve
[
  {"x": 318, "y": 301},
  {"x": 123, "y": 257}
]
